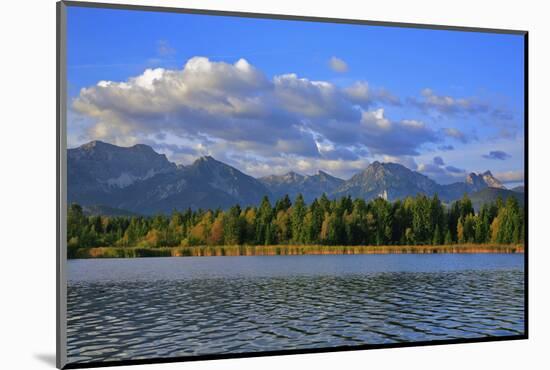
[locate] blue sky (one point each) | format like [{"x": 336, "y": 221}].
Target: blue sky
[{"x": 272, "y": 96}]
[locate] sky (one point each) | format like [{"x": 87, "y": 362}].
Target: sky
[{"x": 273, "y": 96}]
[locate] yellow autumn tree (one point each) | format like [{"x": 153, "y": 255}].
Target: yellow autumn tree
[
  {"x": 216, "y": 232},
  {"x": 282, "y": 222},
  {"x": 250, "y": 221},
  {"x": 199, "y": 233},
  {"x": 460, "y": 231},
  {"x": 325, "y": 227},
  {"x": 151, "y": 239}
]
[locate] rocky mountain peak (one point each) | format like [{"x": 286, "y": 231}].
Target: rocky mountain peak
[
  {"x": 92, "y": 144},
  {"x": 143, "y": 148},
  {"x": 214, "y": 169},
  {"x": 293, "y": 176},
  {"x": 205, "y": 159},
  {"x": 474, "y": 179},
  {"x": 293, "y": 183},
  {"x": 102, "y": 166},
  {"x": 376, "y": 166},
  {"x": 96, "y": 145},
  {"x": 482, "y": 180},
  {"x": 491, "y": 181},
  {"x": 325, "y": 176},
  {"x": 387, "y": 180}
]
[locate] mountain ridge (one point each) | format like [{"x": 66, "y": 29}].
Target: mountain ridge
[
  {"x": 140, "y": 180},
  {"x": 310, "y": 186}
]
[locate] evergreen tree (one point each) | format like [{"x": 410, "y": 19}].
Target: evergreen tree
[
  {"x": 297, "y": 219},
  {"x": 283, "y": 204},
  {"x": 448, "y": 238},
  {"x": 437, "y": 236},
  {"x": 263, "y": 221},
  {"x": 234, "y": 227},
  {"x": 343, "y": 221}
]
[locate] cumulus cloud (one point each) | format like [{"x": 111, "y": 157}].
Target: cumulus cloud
[
  {"x": 218, "y": 99},
  {"x": 438, "y": 161},
  {"x": 497, "y": 154},
  {"x": 384, "y": 136},
  {"x": 235, "y": 109},
  {"x": 338, "y": 65},
  {"x": 312, "y": 99},
  {"x": 361, "y": 93},
  {"x": 456, "y": 134},
  {"x": 448, "y": 104}
]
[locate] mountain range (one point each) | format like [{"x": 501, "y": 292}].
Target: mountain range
[
  {"x": 136, "y": 179},
  {"x": 293, "y": 183}
]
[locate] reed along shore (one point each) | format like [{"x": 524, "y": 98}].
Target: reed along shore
[{"x": 290, "y": 250}]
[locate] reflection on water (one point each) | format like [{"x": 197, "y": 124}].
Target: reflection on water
[{"x": 150, "y": 308}]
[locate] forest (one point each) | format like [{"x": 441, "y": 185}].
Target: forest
[{"x": 420, "y": 220}]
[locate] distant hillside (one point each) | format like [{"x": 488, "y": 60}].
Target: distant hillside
[
  {"x": 310, "y": 187},
  {"x": 519, "y": 189},
  {"x": 489, "y": 195}
]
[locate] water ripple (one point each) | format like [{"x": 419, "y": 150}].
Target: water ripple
[{"x": 110, "y": 320}]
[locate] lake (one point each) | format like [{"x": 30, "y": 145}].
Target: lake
[{"x": 122, "y": 309}]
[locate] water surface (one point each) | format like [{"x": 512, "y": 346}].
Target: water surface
[{"x": 120, "y": 309}]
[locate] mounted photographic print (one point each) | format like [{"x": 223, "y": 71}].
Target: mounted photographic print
[{"x": 234, "y": 184}]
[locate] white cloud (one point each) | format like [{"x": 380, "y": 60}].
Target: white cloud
[
  {"x": 338, "y": 65},
  {"x": 279, "y": 166},
  {"x": 234, "y": 109},
  {"x": 448, "y": 104},
  {"x": 376, "y": 120},
  {"x": 396, "y": 138},
  {"x": 455, "y": 134},
  {"x": 361, "y": 93},
  {"x": 311, "y": 99}
]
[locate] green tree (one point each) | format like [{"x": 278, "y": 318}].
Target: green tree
[
  {"x": 297, "y": 218},
  {"x": 263, "y": 222},
  {"x": 448, "y": 238},
  {"x": 234, "y": 226},
  {"x": 421, "y": 220}
]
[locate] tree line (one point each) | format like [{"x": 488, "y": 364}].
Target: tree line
[{"x": 420, "y": 220}]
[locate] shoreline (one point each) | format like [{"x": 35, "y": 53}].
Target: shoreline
[{"x": 290, "y": 250}]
